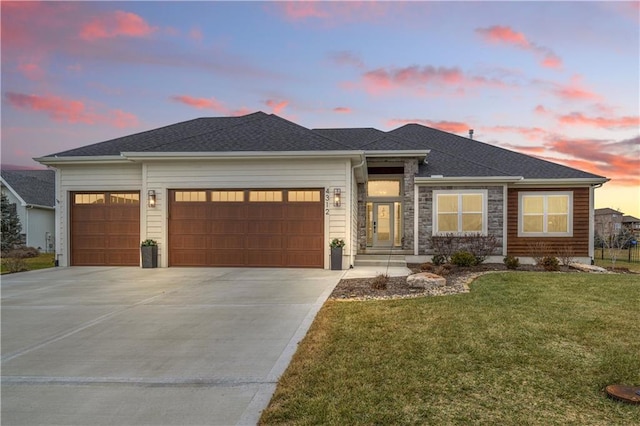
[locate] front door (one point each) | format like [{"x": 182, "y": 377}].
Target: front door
[{"x": 383, "y": 224}]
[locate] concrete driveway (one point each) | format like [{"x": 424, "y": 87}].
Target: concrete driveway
[{"x": 132, "y": 346}]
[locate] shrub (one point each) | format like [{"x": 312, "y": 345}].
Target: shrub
[
  {"x": 463, "y": 258},
  {"x": 15, "y": 264},
  {"x": 439, "y": 259},
  {"x": 23, "y": 253},
  {"x": 539, "y": 250},
  {"x": 511, "y": 262},
  {"x": 550, "y": 263},
  {"x": 480, "y": 246},
  {"x": 566, "y": 255},
  {"x": 426, "y": 266},
  {"x": 380, "y": 282},
  {"x": 444, "y": 270}
]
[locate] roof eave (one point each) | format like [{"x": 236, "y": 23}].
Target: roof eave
[
  {"x": 439, "y": 179},
  {"x": 564, "y": 182},
  {"x": 423, "y": 153},
  {"x": 92, "y": 159},
  {"x": 13, "y": 191},
  {"x": 231, "y": 155}
]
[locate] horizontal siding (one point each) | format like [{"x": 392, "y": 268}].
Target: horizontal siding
[
  {"x": 100, "y": 177},
  {"x": 578, "y": 244}
]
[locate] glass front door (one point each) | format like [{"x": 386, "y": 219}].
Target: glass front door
[{"x": 383, "y": 225}]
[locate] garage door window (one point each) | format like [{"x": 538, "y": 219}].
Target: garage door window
[
  {"x": 89, "y": 199},
  {"x": 191, "y": 196},
  {"x": 124, "y": 198},
  {"x": 265, "y": 196},
  {"x": 227, "y": 196},
  {"x": 304, "y": 196}
]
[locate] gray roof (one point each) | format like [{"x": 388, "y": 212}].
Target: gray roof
[
  {"x": 489, "y": 160},
  {"x": 450, "y": 155},
  {"x": 33, "y": 186},
  {"x": 253, "y": 132}
]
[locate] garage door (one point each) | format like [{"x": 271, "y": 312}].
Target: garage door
[
  {"x": 266, "y": 228},
  {"x": 105, "y": 229}
]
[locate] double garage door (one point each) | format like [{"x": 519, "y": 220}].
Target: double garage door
[
  {"x": 278, "y": 228},
  {"x": 267, "y": 228}
]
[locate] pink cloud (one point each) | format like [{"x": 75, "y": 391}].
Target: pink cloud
[
  {"x": 342, "y": 110},
  {"x": 116, "y": 24},
  {"x": 381, "y": 79},
  {"x": 506, "y": 35},
  {"x": 579, "y": 119},
  {"x": 540, "y": 110},
  {"x": 196, "y": 34},
  {"x": 201, "y": 103},
  {"x": 574, "y": 91},
  {"x": 69, "y": 110},
  {"x": 299, "y": 10},
  {"x": 531, "y": 133},
  {"x": 276, "y": 106},
  {"x": 333, "y": 12},
  {"x": 31, "y": 70}
]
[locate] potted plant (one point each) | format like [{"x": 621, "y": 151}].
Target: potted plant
[
  {"x": 149, "y": 251},
  {"x": 336, "y": 253}
]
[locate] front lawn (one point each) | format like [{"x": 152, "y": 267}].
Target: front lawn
[
  {"x": 521, "y": 348},
  {"x": 42, "y": 261}
]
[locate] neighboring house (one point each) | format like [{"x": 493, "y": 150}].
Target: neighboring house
[
  {"x": 607, "y": 221},
  {"x": 258, "y": 190},
  {"x": 33, "y": 193},
  {"x": 632, "y": 224}
]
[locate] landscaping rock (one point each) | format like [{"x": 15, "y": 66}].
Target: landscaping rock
[
  {"x": 588, "y": 268},
  {"x": 426, "y": 280}
]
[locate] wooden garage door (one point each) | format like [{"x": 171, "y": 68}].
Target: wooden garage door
[
  {"x": 279, "y": 228},
  {"x": 105, "y": 229}
]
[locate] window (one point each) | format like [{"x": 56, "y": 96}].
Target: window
[
  {"x": 89, "y": 198},
  {"x": 545, "y": 214},
  {"x": 227, "y": 196},
  {"x": 383, "y": 188},
  {"x": 265, "y": 196},
  {"x": 191, "y": 196},
  {"x": 124, "y": 198},
  {"x": 460, "y": 212},
  {"x": 303, "y": 196}
]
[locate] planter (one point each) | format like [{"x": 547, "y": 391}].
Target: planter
[
  {"x": 336, "y": 258},
  {"x": 149, "y": 256}
]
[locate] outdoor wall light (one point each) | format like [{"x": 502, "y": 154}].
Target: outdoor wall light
[
  {"x": 151, "y": 198},
  {"x": 337, "y": 198}
]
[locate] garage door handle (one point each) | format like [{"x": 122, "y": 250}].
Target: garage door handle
[{"x": 374, "y": 227}]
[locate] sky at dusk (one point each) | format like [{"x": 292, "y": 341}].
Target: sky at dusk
[{"x": 556, "y": 80}]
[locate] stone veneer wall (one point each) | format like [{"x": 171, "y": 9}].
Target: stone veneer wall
[
  {"x": 495, "y": 214},
  {"x": 410, "y": 170}
]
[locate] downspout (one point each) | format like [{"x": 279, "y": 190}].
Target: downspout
[{"x": 352, "y": 254}]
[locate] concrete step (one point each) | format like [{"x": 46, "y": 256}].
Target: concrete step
[{"x": 380, "y": 260}]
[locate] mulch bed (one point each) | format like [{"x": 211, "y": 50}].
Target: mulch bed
[{"x": 458, "y": 280}]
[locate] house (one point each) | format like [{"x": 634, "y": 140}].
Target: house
[
  {"x": 33, "y": 193},
  {"x": 258, "y": 190},
  {"x": 632, "y": 224},
  {"x": 607, "y": 222}
]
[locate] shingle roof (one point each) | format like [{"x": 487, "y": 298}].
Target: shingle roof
[
  {"x": 491, "y": 160},
  {"x": 253, "y": 132},
  {"x": 33, "y": 186},
  {"x": 450, "y": 156}
]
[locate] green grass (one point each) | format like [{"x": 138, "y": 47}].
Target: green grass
[
  {"x": 622, "y": 260},
  {"x": 521, "y": 348},
  {"x": 44, "y": 260}
]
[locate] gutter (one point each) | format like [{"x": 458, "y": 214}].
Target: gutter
[
  {"x": 439, "y": 179},
  {"x": 244, "y": 155}
]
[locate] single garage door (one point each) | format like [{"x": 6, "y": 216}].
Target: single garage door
[
  {"x": 262, "y": 228},
  {"x": 105, "y": 229}
]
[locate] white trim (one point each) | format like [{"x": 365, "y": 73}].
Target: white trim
[
  {"x": 592, "y": 222},
  {"x": 97, "y": 159},
  {"x": 465, "y": 180},
  {"x": 10, "y": 188},
  {"x": 546, "y": 195},
  {"x": 485, "y": 209},
  {"x": 505, "y": 218},
  {"x": 416, "y": 220},
  {"x": 563, "y": 182}
]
